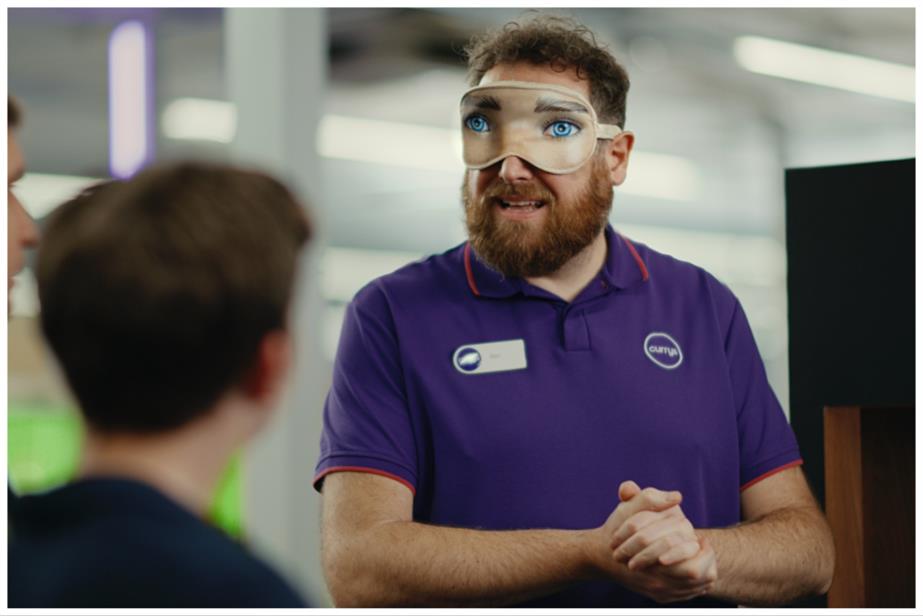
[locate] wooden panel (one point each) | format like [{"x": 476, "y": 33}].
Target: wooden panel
[
  {"x": 888, "y": 470},
  {"x": 843, "y": 478},
  {"x": 870, "y": 474}
]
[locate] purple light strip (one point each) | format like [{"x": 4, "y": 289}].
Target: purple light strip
[{"x": 130, "y": 98}]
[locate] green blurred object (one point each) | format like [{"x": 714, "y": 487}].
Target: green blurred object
[
  {"x": 43, "y": 447},
  {"x": 227, "y": 511},
  {"x": 44, "y": 450}
]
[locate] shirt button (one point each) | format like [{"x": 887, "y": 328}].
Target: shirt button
[{"x": 603, "y": 284}]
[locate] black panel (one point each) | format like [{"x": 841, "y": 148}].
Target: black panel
[{"x": 850, "y": 240}]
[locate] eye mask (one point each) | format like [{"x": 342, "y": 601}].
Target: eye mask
[{"x": 552, "y": 127}]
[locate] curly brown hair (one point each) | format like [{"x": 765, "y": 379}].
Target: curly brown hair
[{"x": 561, "y": 43}]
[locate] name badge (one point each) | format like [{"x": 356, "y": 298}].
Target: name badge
[{"x": 488, "y": 357}]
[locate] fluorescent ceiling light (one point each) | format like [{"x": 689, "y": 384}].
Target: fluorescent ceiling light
[
  {"x": 661, "y": 176},
  {"x": 200, "y": 119},
  {"x": 826, "y": 68},
  {"x": 734, "y": 258},
  {"x": 342, "y": 137},
  {"x": 40, "y": 193},
  {"x": 389, "y": 143},
  {"x": 415, "y": 146},
  {"x": 128, "y": 99},
  {"x": 343, "y": 271}
]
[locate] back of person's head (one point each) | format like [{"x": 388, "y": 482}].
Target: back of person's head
[
  {"x": 156, "y": 293},
  {"x": 561, "y": 43}
]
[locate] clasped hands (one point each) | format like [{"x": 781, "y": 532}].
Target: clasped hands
[{"x": 653, "y": 549}]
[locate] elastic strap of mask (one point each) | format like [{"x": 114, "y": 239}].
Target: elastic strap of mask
[{"x": 608, "y": 131}]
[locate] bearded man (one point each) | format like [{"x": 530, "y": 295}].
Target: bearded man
[{"x": 496, "y": 409}]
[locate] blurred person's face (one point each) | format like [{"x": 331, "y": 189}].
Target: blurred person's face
[
  {"x": 523, "y": 221},
  {"x": 22, "y": 233}
]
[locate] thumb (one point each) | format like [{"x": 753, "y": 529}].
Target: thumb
[{"x": 628, "y": 490}]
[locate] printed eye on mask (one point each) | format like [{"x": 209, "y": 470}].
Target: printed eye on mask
[{"x": 552, "y": 127}]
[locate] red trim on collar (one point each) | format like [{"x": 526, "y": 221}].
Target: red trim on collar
[
  {"x": 634, "y": 253},
  {"x": 468, "y": 272}
]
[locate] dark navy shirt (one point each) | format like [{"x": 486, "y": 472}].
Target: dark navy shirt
[
  {"x": 501, "y": 406},
  {"x": 117, "y": 543}
]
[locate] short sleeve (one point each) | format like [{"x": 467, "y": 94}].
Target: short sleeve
[
  {"x": 367, "y": 425},
  {"x": 766, "y": 440}
]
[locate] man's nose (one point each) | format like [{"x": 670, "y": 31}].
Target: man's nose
[{"x": 514, "y": 169}]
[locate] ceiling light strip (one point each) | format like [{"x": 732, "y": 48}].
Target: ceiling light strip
[
  {"x": 130, "y": 81},
  {"x": 826, "y": 68}
]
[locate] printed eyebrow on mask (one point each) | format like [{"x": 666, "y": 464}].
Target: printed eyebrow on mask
[
  {"x": 546, "y": 104},
  {"x": 482, "y": 102}
]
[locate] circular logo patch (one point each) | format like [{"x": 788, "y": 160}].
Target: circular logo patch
[
  {"x": 661, "y": 349},
  {"x": 467, "y": 359}
]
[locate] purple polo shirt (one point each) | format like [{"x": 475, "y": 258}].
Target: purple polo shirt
[{"x": 651, "y": 373}]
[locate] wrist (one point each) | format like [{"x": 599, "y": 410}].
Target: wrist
[{"x": 595, "y": 556}]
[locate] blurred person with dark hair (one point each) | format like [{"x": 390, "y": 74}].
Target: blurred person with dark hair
[
  {"x": 22, "y": 233},
  {"x": 495, "y": 410},
  {"x": 166, "y": 300}
]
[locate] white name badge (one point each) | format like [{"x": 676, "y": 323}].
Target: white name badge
[{"x": 489, "y": 357}]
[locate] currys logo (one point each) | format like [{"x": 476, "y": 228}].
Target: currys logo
[
  {"x": 467, "y": 359},
  {"x": 661, "y": 349}
]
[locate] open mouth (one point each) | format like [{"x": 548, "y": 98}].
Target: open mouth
[{"x": 524, "y": 206}]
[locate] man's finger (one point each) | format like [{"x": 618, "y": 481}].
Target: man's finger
[
  {"x": 657, "y": 500},
  {"x": 639, "y": 531},
  {"x": 632, "y": 525},
  {"x": 679, "y": 553},
  {"x": 659, "y": 548},
  {"x": 649, "y": 499},
  {"x": 660, "y": 527},
  {"x": 628, "y": 490},
  {"x": 700, "y": 565}
]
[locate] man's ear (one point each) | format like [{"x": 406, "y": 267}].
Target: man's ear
[
  {"x": 618, "y": 150},
  {"x": 265, "y": 378}
]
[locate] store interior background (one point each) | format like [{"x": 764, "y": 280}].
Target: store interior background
[{"x": 357, "y": 108}]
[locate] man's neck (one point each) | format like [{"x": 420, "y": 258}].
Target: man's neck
[
  {"x": 183, "y": 464},
  {"x": 577, "y": 273}
]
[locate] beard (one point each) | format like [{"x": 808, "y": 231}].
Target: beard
[{"x": 521, "y": 248}]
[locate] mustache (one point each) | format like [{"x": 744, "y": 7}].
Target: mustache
[{"x": 498, "y": 189}]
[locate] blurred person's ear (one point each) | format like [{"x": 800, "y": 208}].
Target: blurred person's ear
[{"x": 264, "y": 381}]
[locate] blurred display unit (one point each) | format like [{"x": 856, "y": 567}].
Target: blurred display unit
[{"x": 850, "y": 241}]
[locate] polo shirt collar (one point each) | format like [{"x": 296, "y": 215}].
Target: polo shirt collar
[
  {"x": 622, "y": 269},
  {"x": 485, "y": 282}
]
